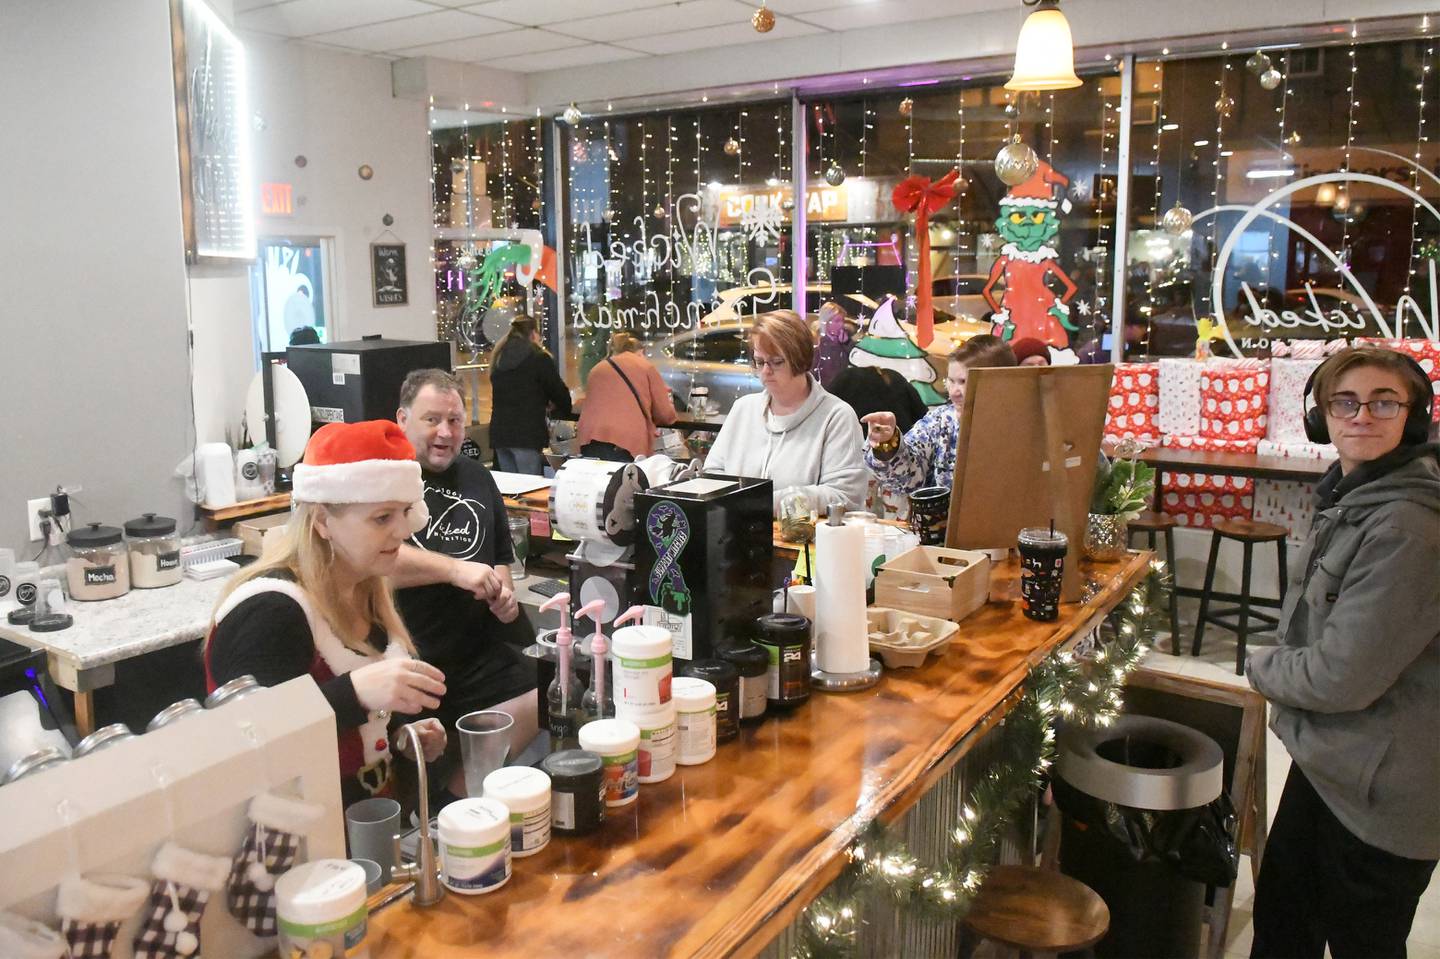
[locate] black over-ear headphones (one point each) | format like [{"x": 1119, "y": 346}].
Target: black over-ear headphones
[{"x": 1417, "y": 420}]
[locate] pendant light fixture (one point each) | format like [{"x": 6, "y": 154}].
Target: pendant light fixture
[{"x": 1045, "y": 52}]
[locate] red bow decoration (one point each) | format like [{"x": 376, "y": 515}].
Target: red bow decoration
[{"x": 922, "y": 197}]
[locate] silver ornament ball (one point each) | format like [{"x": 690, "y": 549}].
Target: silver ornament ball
[
  {"x": 835, "y": 174},
  {"x": 1271, "y": 78},
  {"x": 573, "y": 115},
  {"x": 1177, "y": 220},
  {"x": 1258, "y": 63},
  {"x": 732, "y": 147},
  {"x": 1015, "y": 163},
  {"x": 907, "y": 107}
]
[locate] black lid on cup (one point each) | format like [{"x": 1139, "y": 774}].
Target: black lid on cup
[
  {"x": 95, "y": 535},
  {"x": 150, "y": 525},
  {"x": 715, "y": 671},
  {"x": 571, "y": 766},
  {"x": 748, "y": 659}
]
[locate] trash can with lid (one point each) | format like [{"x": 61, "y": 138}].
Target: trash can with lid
[{"x": 1147, "y": 825}]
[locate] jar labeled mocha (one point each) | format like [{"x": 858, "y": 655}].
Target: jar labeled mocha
[{"x": 100, "y": 565}]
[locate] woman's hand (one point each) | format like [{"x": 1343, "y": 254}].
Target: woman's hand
[
  {"x": 399, "y": 685},
  {"x": 882, "y": 427},
  {"x": 432, "y": 739}
]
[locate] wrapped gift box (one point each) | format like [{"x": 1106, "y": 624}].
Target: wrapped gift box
[
  {"x": 1291, "y": 505},
  {"x": 1286, "y": 401},
  {"x": 1210, "y": 444},
  {"x": 1134, "y": 402},
  {"x": 1198, "y": 501},
  {"x": 1298, "y": 451},
  {"x": 1234, "y": 399},
  {"x": 1179, "y": 413},
  {"x": 1424, "y": 352}
]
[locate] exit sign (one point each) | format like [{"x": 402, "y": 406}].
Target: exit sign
[{"x": 277, "y": 199}]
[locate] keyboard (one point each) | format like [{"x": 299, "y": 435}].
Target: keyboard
[{"x": 549, "y": 587}]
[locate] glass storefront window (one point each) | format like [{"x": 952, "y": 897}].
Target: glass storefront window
[{"x": 1334, "y": 136}]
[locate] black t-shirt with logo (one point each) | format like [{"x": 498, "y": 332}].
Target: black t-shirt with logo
[{"x": 452, "y": 629}]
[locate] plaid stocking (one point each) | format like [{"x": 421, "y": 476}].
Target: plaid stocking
[
  {"x": 92, "y": 908},
  {"x": 22, "y": 938},
  {"x": 184, "y": 881},
  {"x": 271, "y": 846}
]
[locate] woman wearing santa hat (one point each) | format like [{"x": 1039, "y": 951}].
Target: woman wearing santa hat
[{"x": 319, "y": 604}]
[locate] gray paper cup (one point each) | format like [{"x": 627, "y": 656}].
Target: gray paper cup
[
  {"x": 373, "y": 877},
  {"x": 371, "y": 826}
]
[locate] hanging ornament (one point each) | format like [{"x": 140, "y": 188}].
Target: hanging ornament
[
  {"x": 1258, "y": 63},
  {"x": 1292, "y": 137},
  {"x": 467, "y": 262},
  {"x": 1177, "y": 220},
  {"x": 732, "y": 147},
  {"x": 787, "y": 205},
  {"x": 1012, "y": 110},
  {"x": 1271, "y": 78},
  {"x": 907, "y": 107},
  {"x": 763, "y": 19},
  {"x": 835, "y": 174},
  {"x": 457, "y": 166},
  {"x": 659, "y": 211},
  {"x": 535, "y": 204},
  {"x": 1016, "y": 162},
  {"x": 573, "y": 115},
  {"x": 1225, "y": 105}
]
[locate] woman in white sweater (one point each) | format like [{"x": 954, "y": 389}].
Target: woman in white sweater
[{"x": 793, "y": 433}]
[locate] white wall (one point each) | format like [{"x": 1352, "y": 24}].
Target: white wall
[{"x": 92, "y": 317}]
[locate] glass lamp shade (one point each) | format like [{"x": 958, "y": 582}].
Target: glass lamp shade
[{"x": 1045, "y": 53}]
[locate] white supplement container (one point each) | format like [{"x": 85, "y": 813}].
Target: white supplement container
[
  {"x": 617, "y": 743},
  {"x": 643, "y": 666},
  {"x": 322, "y": 903},
  {"x": 657, "y": 740},
  {"x": 525, "y": 791},
  {"x": 694, "y": 721},
  {"x": 474, "y": 846}
]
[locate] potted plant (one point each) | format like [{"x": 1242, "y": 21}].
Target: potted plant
[{"x": 1122, "y": 488}]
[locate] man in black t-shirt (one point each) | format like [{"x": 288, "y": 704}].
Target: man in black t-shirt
[{"x": 455, "y": 592}]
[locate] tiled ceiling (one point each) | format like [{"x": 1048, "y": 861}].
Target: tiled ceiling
[{"x": 534, "y": 35}]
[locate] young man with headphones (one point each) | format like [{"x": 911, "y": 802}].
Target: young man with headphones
[{"x": 1354, "y": 683}]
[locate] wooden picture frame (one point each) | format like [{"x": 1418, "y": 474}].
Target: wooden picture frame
[{"x": 389, "y": 283}]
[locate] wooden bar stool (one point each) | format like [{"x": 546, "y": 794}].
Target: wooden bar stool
[
  {"x": 1150, "y": 523},
  {"x": 1037, "y": 911},
  {"x": 1237, "y": 618}
]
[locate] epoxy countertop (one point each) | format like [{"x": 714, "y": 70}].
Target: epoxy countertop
[{"x": 720, "y": 858}]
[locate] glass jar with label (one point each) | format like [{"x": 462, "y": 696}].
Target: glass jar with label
[
  {"x": 99, "y": 567},
  {"x": 154, "y": 552}
]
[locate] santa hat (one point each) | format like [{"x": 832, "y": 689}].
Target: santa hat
[
  {"x": 370, "y": 462},
  {"x": 1046, "y": 187},
  {"x": 1029, "y": 346}
]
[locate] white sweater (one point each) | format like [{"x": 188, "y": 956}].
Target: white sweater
[{"x": 817, "y": 449}]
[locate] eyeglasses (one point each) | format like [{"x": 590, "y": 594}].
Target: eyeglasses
[
  {"x": 1346, "y": 408},
  {"x": 775, "y": 363}
]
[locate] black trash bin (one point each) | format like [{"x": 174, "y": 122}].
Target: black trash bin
[{"x": 1147, "y": 825}]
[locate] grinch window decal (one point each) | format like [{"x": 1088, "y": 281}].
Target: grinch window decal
[{"x": 1028, "y": 303}]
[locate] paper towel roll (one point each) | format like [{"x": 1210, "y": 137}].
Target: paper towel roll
[
  {"x": 215, "y": 469},
  {"x": 841, "y": 642}
]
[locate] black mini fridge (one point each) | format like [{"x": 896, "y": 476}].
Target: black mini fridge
[
  {"x": 704, "y": 551},
  {"x": 358, "y": 380}
]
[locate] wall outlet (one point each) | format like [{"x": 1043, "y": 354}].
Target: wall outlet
[{"x": 32, "y": 514}]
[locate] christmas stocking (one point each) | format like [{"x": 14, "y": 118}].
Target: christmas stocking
[
  {"x": 271, "y": 847},
  {"x": 91, "y": 910},
  {"x": 184, "y": 881},
  {"x": 22, "y": 938}
]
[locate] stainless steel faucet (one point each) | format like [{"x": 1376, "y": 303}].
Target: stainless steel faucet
[{"x": 425, "y": 871}]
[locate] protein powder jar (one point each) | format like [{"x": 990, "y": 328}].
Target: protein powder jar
[
  {"x": 320, "y": 909},
  {"x": 726, "y": 680},
  {"x": 526, "y": 793},
  {"x": 577, "y": 791},
  {"x": 154, "y": 552},
  {"x": 474, "y": 846},
  {"x": 694, "y": 720},
  {"x": 656, "y": 755},
  {"x": 100, "y": 566},
  {"x": 753, "y": 665}
]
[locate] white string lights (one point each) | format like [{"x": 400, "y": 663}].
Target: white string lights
[
  {"x": 1286, "y": 157},
  {"x": 1223, "y": 106},
  {"x": 507, "y": 210},
  {"x": 1107, "y": 130},
  {"x": 960, "y": 165},
  {"x": 1421, "y": 138},
  {"x": 1349, "y": 208},
  {"x": 1159, "y": 135}
]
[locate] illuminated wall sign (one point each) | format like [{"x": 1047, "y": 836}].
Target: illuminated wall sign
[
  {"x": 277, "y": 199},
  {"x": 824, "y": 203},
  {"x": 212, "y": 117}
]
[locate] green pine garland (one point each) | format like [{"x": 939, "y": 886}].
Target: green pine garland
[{"x": 1083, "y": 691}]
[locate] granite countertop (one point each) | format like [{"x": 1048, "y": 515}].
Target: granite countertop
[{"x": 141, "y": 621}]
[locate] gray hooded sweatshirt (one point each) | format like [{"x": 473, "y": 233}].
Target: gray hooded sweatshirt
[{"x": 1355, "y": 683}]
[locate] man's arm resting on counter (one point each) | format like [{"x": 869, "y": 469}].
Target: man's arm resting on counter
[{"x": 421, "y": 567}]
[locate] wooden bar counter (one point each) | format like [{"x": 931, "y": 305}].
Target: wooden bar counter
[{"x": 720, "y": 858}]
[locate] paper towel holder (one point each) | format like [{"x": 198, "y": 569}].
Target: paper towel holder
[{"x": 844, "y": 682}]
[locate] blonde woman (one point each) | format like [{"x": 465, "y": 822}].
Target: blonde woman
[{"x": 320, "y": 604}]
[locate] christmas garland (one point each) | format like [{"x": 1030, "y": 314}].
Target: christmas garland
[{"x": 1078, "y": 690}]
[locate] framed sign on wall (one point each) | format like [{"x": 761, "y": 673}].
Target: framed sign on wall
[{"x": 387, "y": 274}]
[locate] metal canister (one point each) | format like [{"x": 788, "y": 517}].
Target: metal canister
[
  {"x": 173, "y": 712},
  {"x": 103, "y": 738},
  {"x": 237, "y": 689},
  {"x": 33, "y": 763}
]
